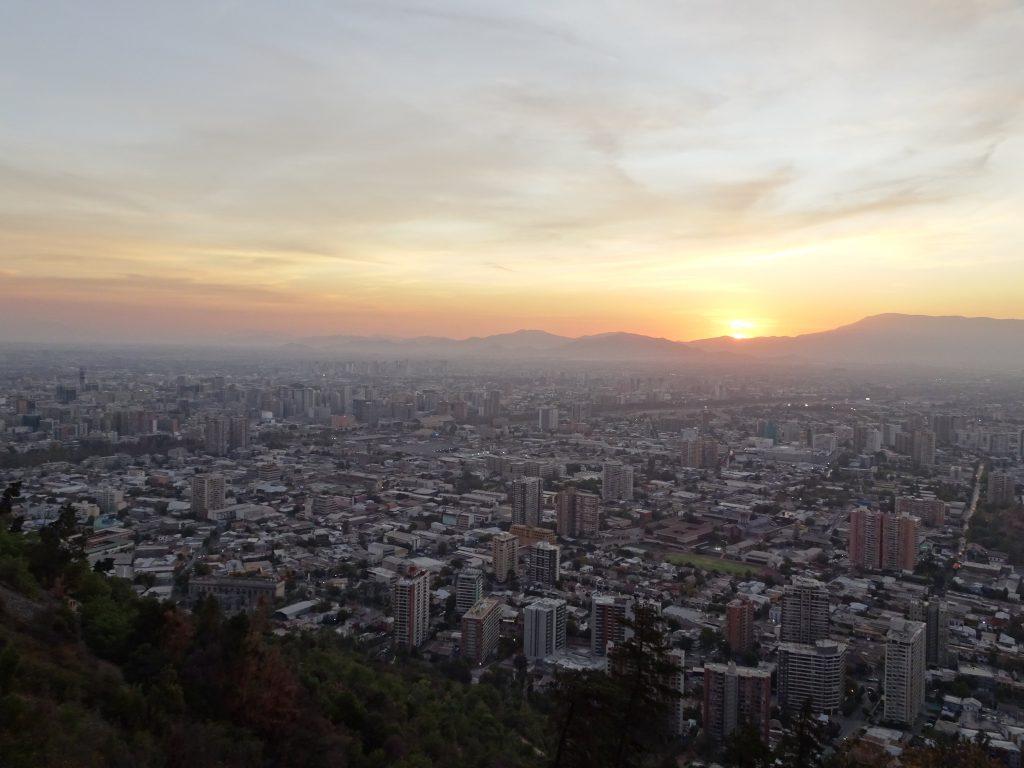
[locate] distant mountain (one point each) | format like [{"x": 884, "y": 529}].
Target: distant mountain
[
  {"x": 888, "y": 339},
  {"x": 626, "y": 347},
  {"x": 524, "y": 344}
]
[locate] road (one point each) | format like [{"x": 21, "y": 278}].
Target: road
[{"x": 971, "y": 509}]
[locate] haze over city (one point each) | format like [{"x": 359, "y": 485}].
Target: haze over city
[{"x": 235, "y": 171}]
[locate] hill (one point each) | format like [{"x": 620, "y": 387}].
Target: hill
[
  {"x": 895, "y": 339},
  {"x": 92, "y": 675}
]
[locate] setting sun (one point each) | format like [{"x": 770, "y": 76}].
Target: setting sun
[{"x": 739, "y": 329}]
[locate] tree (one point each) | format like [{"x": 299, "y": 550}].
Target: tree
[
  {"x": 620, "y": 718},
  {"x": 803, "y": 742}
]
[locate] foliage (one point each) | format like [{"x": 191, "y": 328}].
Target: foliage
[
  {"x": 114, "y": 680},
  {"x": 620, "y": 718}
]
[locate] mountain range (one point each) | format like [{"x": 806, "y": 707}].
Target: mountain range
[{"x": 887, "y": 339}]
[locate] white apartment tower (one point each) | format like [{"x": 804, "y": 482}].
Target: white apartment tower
[
  {"x": 904, "y": 670},
  {"x": 812, "y": 673},
  {"x": 545, "y": 562},
  {"x": 544, "y": 623},
  {"x": 617, "y": 482},
  {"x": 469, "y": 587},
  {"x": 207, "y": 494},
  {"x": 805, "y": 612}
]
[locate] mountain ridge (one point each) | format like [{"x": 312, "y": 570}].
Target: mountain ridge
[{"x": 886, "y": 338}]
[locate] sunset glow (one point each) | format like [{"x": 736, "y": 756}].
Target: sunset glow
[{"x": 470, "y": 168}]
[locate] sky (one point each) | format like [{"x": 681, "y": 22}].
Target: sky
[{"x": 257, "y": 170}]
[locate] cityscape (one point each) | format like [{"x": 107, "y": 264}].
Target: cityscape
[
  {"x": 465, "y": 384},
  {"x": 840, "y": 540}
]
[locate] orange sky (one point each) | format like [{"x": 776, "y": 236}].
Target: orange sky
[{"x": 213, "y": 172}]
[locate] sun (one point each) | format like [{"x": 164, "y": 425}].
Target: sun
[{"x": 739, "y": 329}]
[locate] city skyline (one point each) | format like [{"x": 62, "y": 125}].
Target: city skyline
[{"x": 227, "y": 171}]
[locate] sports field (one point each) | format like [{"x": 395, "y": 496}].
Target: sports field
[{"x": 710, "y": 563}]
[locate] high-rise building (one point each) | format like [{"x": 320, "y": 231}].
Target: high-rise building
[
  {"x": 922, "y": 449},
  {"x": 547, "y": 419},
  {"x": 1002, "y": 489},
  {"x": 238, "y": 433},
  {"x": 505, "y": 556},
  {"x": 480, "y": 626},
  {"x": 608, "y": 617},
  {"x": 109, "y": 499},
  {"x": 805, "y": 612},
  {"x": 411, "y": 602},
  {"x": 936, "y": 633},
  {"x": 207, "y": 494},
  {"x": 882, "y": 541},
  {"x": 578, "y": 513},
  {"x": 527, "y": 500},
  {"x": 739, "y": 625},
  {"x": 701, "y": 452},
  {"x": 492, "y": 406},
  {"x": 677, "y": 682},
  {"x": 544, "y": 563},
  {"x": 216, "y": 434},
  {"x": 735, "y": 696},
  {"x": 617, "y": 481},
  {"x": 931, "y": 511},
  {"x": 544, "y": 625},
  {"x": 904, "y": 671},
  {"x": 469, "y": 588},
  {"x": 814, "y": 673}
]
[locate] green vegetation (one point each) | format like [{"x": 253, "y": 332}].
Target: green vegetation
[
  {"x": 91, "y": 675},
  {"x": 999, "y": 529},
  {"x": 708, "y": 563}
]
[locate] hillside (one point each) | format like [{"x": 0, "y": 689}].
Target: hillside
[{"x": 113, "y": 680}]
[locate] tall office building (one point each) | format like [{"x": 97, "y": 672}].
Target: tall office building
[
  {"x": 505, "y": 556},
  {"x": 1002, "y": 489},
  {"x": 922, "y": 448},
  {"x": 411, "y": 602},
  {"x": 882, "y": 541},
  {"x": 544, "y": 563},
  {"x": 480, "y": 626},
  {"x": 238, "y": 433},
  {"x": 469, "y": 588},
  {"x": 544, "y": 625},
  {"x": 216, "y": 435},
  {"x": 617, "y": 481},
  {"x": 739, "y": 625},
  {"x": 735, "y": 696},
  {"x": 207, "y": 494},
  {"x": 904, "y": 671},
  {"x": 936, "y": 633},
  {"x": 578, "y": 513},
  {"x": 805, "y": 613},
  {"x": 608, "y": 614},
  {"x": 812, "y": 673},
  {"x": 527, "y": 501},
  {"x": 547, "y": 419}
]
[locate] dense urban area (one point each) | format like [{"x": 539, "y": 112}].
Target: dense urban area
[{"x": 432, "y": 554}]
